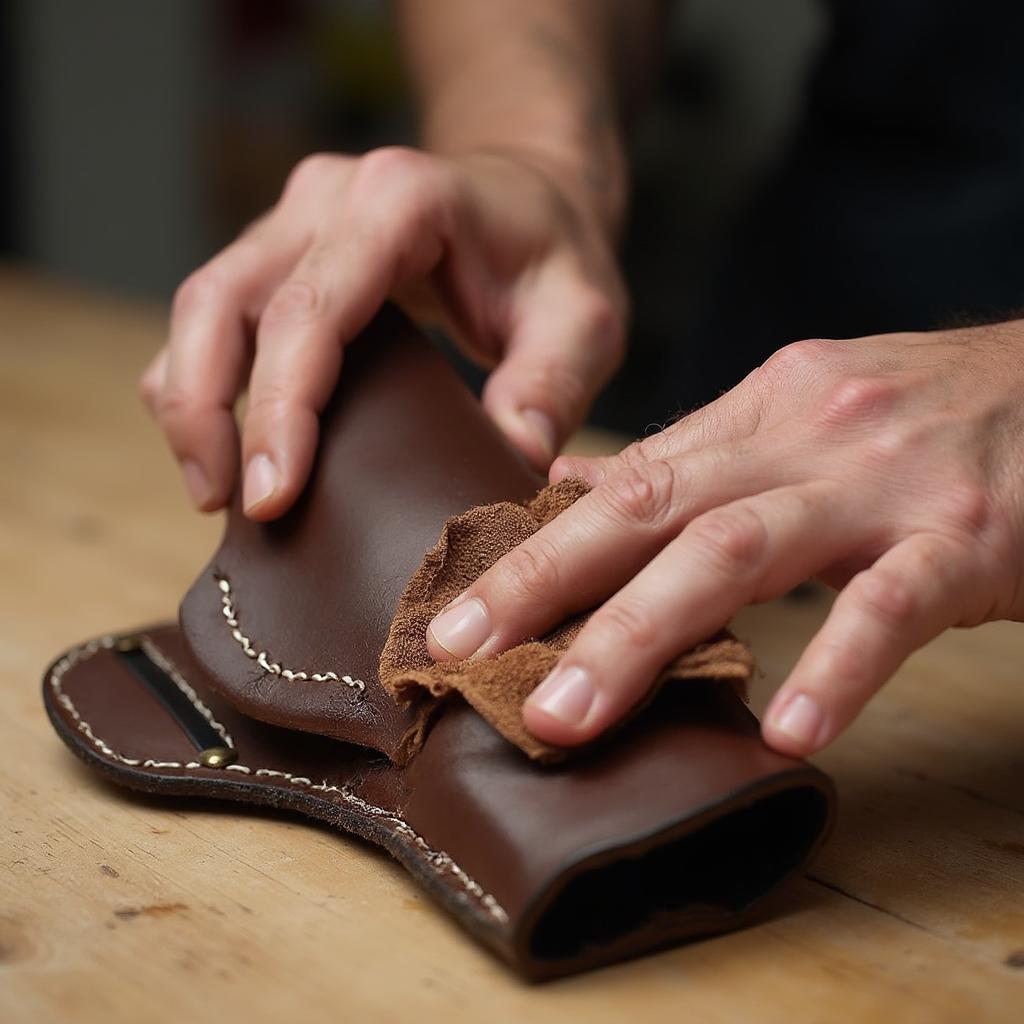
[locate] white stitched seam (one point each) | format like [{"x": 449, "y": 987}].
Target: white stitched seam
[
  {"x": 438, "y": 859},
  {"x": 262, "y": 658}
]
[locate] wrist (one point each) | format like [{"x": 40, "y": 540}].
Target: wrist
[
  {"x": 596, "y": 189},
  {"x": 530, "y": 78}
]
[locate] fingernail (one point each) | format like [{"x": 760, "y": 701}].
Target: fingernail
[
  {"x": 260, "y": 481},
  {"x": 589, "y": 470},
  {"x": 567, "y": 694},
  {"x": 800, "y": 719},
  {"x": 196, "y": 482},
  {"x": 462, "y": 629},
  {"x": 560, "y": 469},
  {"x": 543, "y": 429}
]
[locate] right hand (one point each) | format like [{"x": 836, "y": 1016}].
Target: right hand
[{"x": 499, "y": 248}]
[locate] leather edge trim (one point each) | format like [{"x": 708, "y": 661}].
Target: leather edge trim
[{"x": 400, "y": 838}]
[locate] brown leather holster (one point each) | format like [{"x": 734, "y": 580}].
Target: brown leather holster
[{"x": 267, "y": 693}]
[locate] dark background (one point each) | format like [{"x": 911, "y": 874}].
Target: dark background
[{"x": 806, "y": 168}]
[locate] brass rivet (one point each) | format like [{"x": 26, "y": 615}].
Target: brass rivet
[
  {"x": 128, "y": 643},
  {"x": 216, "y": 757}
]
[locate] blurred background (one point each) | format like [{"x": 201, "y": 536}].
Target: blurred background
[{"x": 139, "y": 137}]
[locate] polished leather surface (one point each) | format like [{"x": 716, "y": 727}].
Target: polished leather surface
[
  {"x": 675, "y": 827},
  {"x": 675, "y": 831},
  {"x": 404, "y": 445}
]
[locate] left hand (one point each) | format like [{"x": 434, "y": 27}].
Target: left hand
[{"x": 889, "y": 467}]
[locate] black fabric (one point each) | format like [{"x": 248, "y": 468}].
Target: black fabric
[
  {"x": 898, "y": 205},
  {"x": 902, "y": 204}
]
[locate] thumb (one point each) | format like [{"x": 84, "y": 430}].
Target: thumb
[{"x": 565, "y": 345}]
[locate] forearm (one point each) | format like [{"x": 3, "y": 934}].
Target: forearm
[{"x": 545, "y": 80}]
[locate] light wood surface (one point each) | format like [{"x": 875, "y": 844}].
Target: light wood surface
[{"x": 118, "y": 908}]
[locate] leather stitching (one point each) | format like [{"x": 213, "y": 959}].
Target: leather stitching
[
  {"x": 162, "y": 661},
  {"x": 262, "y": 658},
  {"x": 438, "y": 859}
]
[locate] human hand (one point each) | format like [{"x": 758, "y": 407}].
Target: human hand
[
  {"x": 889, "y": 467},
  {"x": 497, "y": 246}
]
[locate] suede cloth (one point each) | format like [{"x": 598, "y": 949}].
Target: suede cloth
[{"x": 497, "y": 687}]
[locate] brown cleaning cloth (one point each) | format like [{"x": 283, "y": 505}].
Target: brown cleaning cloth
[{"x": 497, "y": 687}]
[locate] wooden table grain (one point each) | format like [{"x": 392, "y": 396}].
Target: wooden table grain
[{"x": 120, "y": 908}]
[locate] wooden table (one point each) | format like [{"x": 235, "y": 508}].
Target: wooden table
[{"x": 119, "y": 908}]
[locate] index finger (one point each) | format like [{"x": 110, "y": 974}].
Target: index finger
[
  {"x": 595, "y": 546},
  {"x": 751, "y": 550},
  {"x": 729, "y": 418},
  {"x": 386, "y": 231}
]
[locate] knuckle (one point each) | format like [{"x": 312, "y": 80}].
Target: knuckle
[
  {"x": 634, "y": 455},
  {"x": 271, "y": 404},
  {"x": 886, "y": 596},
  {"x": 653, "y": 447},
  {"x": 175, "y": 407},
  {"x": 394, "y": 170},
  {"x": 412, "y": 188},
  {"x": 529, "y": 571},
  {"x": 297, "y": 299},
  {"x": 969, "y": 506},
  {"x": 392, "y": 162},
  {"x": 855, "y": 401},
  {"x": 641, "y": 496},
  {"x": 311, "y": 173},
  {"x": 890, "y": 445},
  {"x": 548, "y": 379},
  {"x": 733, "y": 538},
  {"x": 627, "y": 623},
  {"x": 841, "y": 661},
  {"x": 199, "y": 289},
  {"x": 944, "y": 558},
  {"x": 796, "y": 360}
]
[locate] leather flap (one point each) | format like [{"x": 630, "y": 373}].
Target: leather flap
[{"x": 289, "y": 618}]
